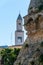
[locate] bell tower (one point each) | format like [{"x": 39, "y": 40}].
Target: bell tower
[{"x": 19, "y": 33}]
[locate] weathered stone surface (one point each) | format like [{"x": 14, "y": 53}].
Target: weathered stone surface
[
  {"x": 35, "y": 6},
  {"x": 28, "y": 54},
  {"x": 31, "y": 49},
  {"x": 35, "y": 3}
]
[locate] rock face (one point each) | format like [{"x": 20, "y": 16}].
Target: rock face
[
  {"x": 29, "y": 53},
  {"x": 35, "y": 3},
  {"x": 33, "y": 46}
]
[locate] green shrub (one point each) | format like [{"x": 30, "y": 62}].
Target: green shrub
[{"x": 9, "y": 56}]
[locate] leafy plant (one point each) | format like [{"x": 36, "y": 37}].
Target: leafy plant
[{"x": 9, "y": 56}]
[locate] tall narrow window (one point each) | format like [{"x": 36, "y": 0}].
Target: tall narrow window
[{"x": 19, "y": 39}]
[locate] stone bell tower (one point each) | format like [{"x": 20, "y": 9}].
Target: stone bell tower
[
  {"x": 33, "y": 21},
  {"x": 19, "y": 33}
]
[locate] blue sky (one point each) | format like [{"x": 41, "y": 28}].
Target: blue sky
[{"x": 9, "y": 11}]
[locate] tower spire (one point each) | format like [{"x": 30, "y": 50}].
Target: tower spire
[{"x": 19, "y": 17}]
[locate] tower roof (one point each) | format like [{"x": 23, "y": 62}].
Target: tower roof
[
  {"x": 19, "y": 17},
  {"x": 35, "y": 4}
]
